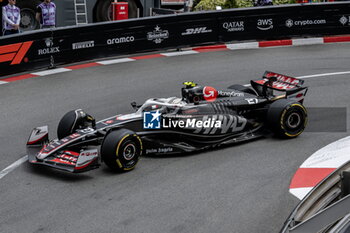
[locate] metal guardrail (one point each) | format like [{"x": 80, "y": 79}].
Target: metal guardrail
[
  {"x": 40, "y": 49},
  {"x": 325, "y": 217},
  {"x": 326, "y": 208}
]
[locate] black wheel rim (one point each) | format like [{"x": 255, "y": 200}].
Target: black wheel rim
[
  {"x": 129, "y": 151},
  {"x": 28, "y": 21},
  {"x": 293, "y": 120}
]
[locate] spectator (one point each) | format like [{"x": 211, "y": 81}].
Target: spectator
[
  {"x": 262, "y": 2},
  {"x": 46, "y": 14},
  {"x": 11, "y": 17},
  {"x": 2, "y": 3},
  {"x": 188, "y": 5}
]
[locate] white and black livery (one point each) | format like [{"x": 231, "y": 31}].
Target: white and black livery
[{"x": 202, "y": 118}]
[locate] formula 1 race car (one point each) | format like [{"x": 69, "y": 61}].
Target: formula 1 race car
[{"x": 203, "y": 118}]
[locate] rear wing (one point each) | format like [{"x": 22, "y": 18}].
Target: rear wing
[{"x": 271, "y": 81}]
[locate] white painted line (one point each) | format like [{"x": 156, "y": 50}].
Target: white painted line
[
  {"x": 333, "y": 155},
  {"x": 250, "y": 45},
  {"x": 53, "y": 71},
  {"x": 323, "y": 75},
  {"x": 115, "y": 61},
  {"x": 307, "y": 41},
  {"x": 172, "y": 54},
  {"x": 13, "y": 166},
  {"x": 315, "y": 76},
  {"x": 2, "y": 82},
  {"x": 300, "y": 193}
]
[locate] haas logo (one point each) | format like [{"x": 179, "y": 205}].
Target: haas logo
[{"x": 210, "y": 93}]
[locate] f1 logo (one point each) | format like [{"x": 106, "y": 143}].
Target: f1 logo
[
  {"x": 151, "y": 120},
  {"x": 14, "y": 53}
]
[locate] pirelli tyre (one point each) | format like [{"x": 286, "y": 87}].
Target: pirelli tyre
[
  {"x": 121, "y": 150},
  {"x": 286, "y": 118}
]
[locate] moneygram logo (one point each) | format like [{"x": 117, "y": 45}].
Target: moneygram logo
[
  {"x": 210, "y": 93},
  {"x": 234, "y": 26},
  {"x": 158, "y": 35},
  {"x": 290, "y": 23},
  {"x": 229, "y": 93}
]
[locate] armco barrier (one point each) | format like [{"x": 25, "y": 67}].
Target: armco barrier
[{"x": 41, "y": 49}]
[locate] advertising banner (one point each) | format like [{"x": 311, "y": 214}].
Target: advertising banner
[{"x": 43, "y": 49}]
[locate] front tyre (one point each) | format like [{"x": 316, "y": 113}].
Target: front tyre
[
  {"x": 287, "y": 118},
  {"x": 121, "y": 150}
]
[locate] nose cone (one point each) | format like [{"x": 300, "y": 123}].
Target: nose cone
[{"x": 41, "y": 155}]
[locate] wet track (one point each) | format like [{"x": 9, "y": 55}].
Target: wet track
[{"x": 242, "y": 188}]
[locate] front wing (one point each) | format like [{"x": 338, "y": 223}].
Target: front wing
[{"x": 65, "y": 159}]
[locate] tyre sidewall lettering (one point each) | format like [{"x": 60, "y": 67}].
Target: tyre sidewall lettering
[
  {"x": 118, "y": 152},
  {"x": 301, "y": 111}
]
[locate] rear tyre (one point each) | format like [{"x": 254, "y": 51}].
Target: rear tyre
[
  {"x": 133, "y": 9},
  {"x": 287, "y": 118},
  {"x": 242, "y": 89},
  {"x": 104, "y": 11},
  {"x": 121, "y": 150}
]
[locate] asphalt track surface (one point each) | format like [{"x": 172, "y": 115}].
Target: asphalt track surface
[{"x": 243, "y": 188}]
